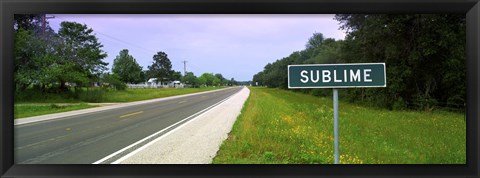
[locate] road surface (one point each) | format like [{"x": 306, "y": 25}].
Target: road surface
[{"x": 90, "y": 138}]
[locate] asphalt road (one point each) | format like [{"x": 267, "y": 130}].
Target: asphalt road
[{"x": 87, "y": 138}]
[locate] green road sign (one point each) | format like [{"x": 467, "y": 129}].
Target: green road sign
[{"x": 337, "y": 75}]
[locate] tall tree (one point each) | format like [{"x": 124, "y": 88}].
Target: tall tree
[
  {"x": 28, "y": 22},
  {"x": 127, "y": 68},
  {"x": 315, "y": 41},
  {"x": 161, "y": 67},
  {"x": 34, "y": 51},
  {"x": 423, "y": 52},
  {"x": 80, "y": 53}
]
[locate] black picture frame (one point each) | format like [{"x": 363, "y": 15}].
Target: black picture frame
[{"x": 471, "y": 8}]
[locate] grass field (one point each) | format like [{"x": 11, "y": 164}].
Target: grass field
[
  {"x": 21, "y": 111},
  {"x": 45, "y": 104},
  {"x": 284, "y": 127},
  {"x": 150, "y": 93},
  {"x": 106, "y": 96}
]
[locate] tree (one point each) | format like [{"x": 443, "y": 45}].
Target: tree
[
  {"x": 161, "y": 67},
  {"x": 80, "y": 53},
  {"x": 202, "y": 80},
  {"x": 113, "y": 81},
  {"x": 190, "y": 79},
  {"x": 222, "y": 80},
  {"x": 27, "y": 22},
  {"x": 315, "y": 41},
  {"x": 232, "y": 82},
  {"x": 207, "y": 79},
  {"x": 423, "y": 52},
  {"x": 216, "y": 81},
  {"x": 176, "y": 75},
  {"x": 258, "y": 79},
  {"x": 34, "y": 51},
  {"x": 143, "y": 76},
  {"x": 127, "y": 68}
]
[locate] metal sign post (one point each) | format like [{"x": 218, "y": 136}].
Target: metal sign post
[
  {"x": 337, "y": 76},
  {"x": 335, "y": 126}
]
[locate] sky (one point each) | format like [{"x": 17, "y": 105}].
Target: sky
[{"x": 237, "y": 46}]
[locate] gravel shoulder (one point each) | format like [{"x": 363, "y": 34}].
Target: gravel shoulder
[{"x": 195, "y": 142}]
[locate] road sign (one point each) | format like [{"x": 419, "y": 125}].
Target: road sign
[{"x": 337, "y": 75}]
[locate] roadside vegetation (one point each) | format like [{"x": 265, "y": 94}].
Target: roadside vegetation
[
  {"x": 36, "y": 104},
  {"x": 284, "y": 127},
  {"x": 29, "y": 110},
  {"x": 99, "y": 95},
  {"x": 67, "y": 66},
  {"x": 424, "y": 56}
]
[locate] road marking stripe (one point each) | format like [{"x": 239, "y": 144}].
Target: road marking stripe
[
  {"x": 156, "y": 134},
  {"x": 131, "y": 114},
  {"x": 182, "y": 102}
]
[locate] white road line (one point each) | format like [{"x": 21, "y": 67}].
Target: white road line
[{"x": 155, "y": 134}]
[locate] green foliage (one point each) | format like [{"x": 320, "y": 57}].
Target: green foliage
[
  {"x": 424, "y": 56},
  {"x": 80, "y": 51},
  {"x": 176, "y": 76},
  {"x": 232, "y": 82},
  {"x": 315, "y": 41},
  {"x": 29, "y": 110},
  {"x": 47, "y": 60},
  {"x": 127, "y": 68},
  {"x": 221, "y": 80},
  {"x": 94, "y": 95},
  {"x": 161, "y": 67},
  {"x": 113, "y": 81},
  {"x": 190, "y": 79},
  {"x": 208, "y": 79}
]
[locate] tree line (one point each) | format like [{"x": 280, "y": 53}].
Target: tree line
[
  {"x": 424, "y": 55},
  {"x": 72, "y": 58},
  {"x": 127, "y": 70}
]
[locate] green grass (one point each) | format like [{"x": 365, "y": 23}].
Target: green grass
[
  {"x": 97, "y": 95},
  {"x": 40, "y": 104},
  {"x": 284, "y": 127},
  {"x": 150, "y": 93},
  {"x": 28, "y": 110}
]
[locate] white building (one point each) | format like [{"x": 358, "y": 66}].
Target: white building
[{"x": 154, "y": 83}]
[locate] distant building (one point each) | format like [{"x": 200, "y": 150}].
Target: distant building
[{"x": 154, "y": 83}]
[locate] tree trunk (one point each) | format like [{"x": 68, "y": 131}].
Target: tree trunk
[{"x": 63, "y": 86}]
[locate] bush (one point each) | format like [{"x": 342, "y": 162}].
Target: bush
[
  {"x": 114, "y": 81},
  {"x": 399, "y": 104},
  {"x": 92, "y": 96}
]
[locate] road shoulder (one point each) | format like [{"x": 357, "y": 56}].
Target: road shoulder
[{"x": 195, "y": 142}]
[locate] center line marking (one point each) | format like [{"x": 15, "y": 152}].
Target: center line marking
[
  {"x": 126, "y": 115},
  {"x": 182, "y": 102}
]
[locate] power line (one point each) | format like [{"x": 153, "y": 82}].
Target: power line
[
  {"x": 119, "y": 40},
  {"x": 114, "y": 39}
]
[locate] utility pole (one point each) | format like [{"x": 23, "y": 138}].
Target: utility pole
[
  {"x": 184, "y": 68},
  {"x": 45, "y": 21}
]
